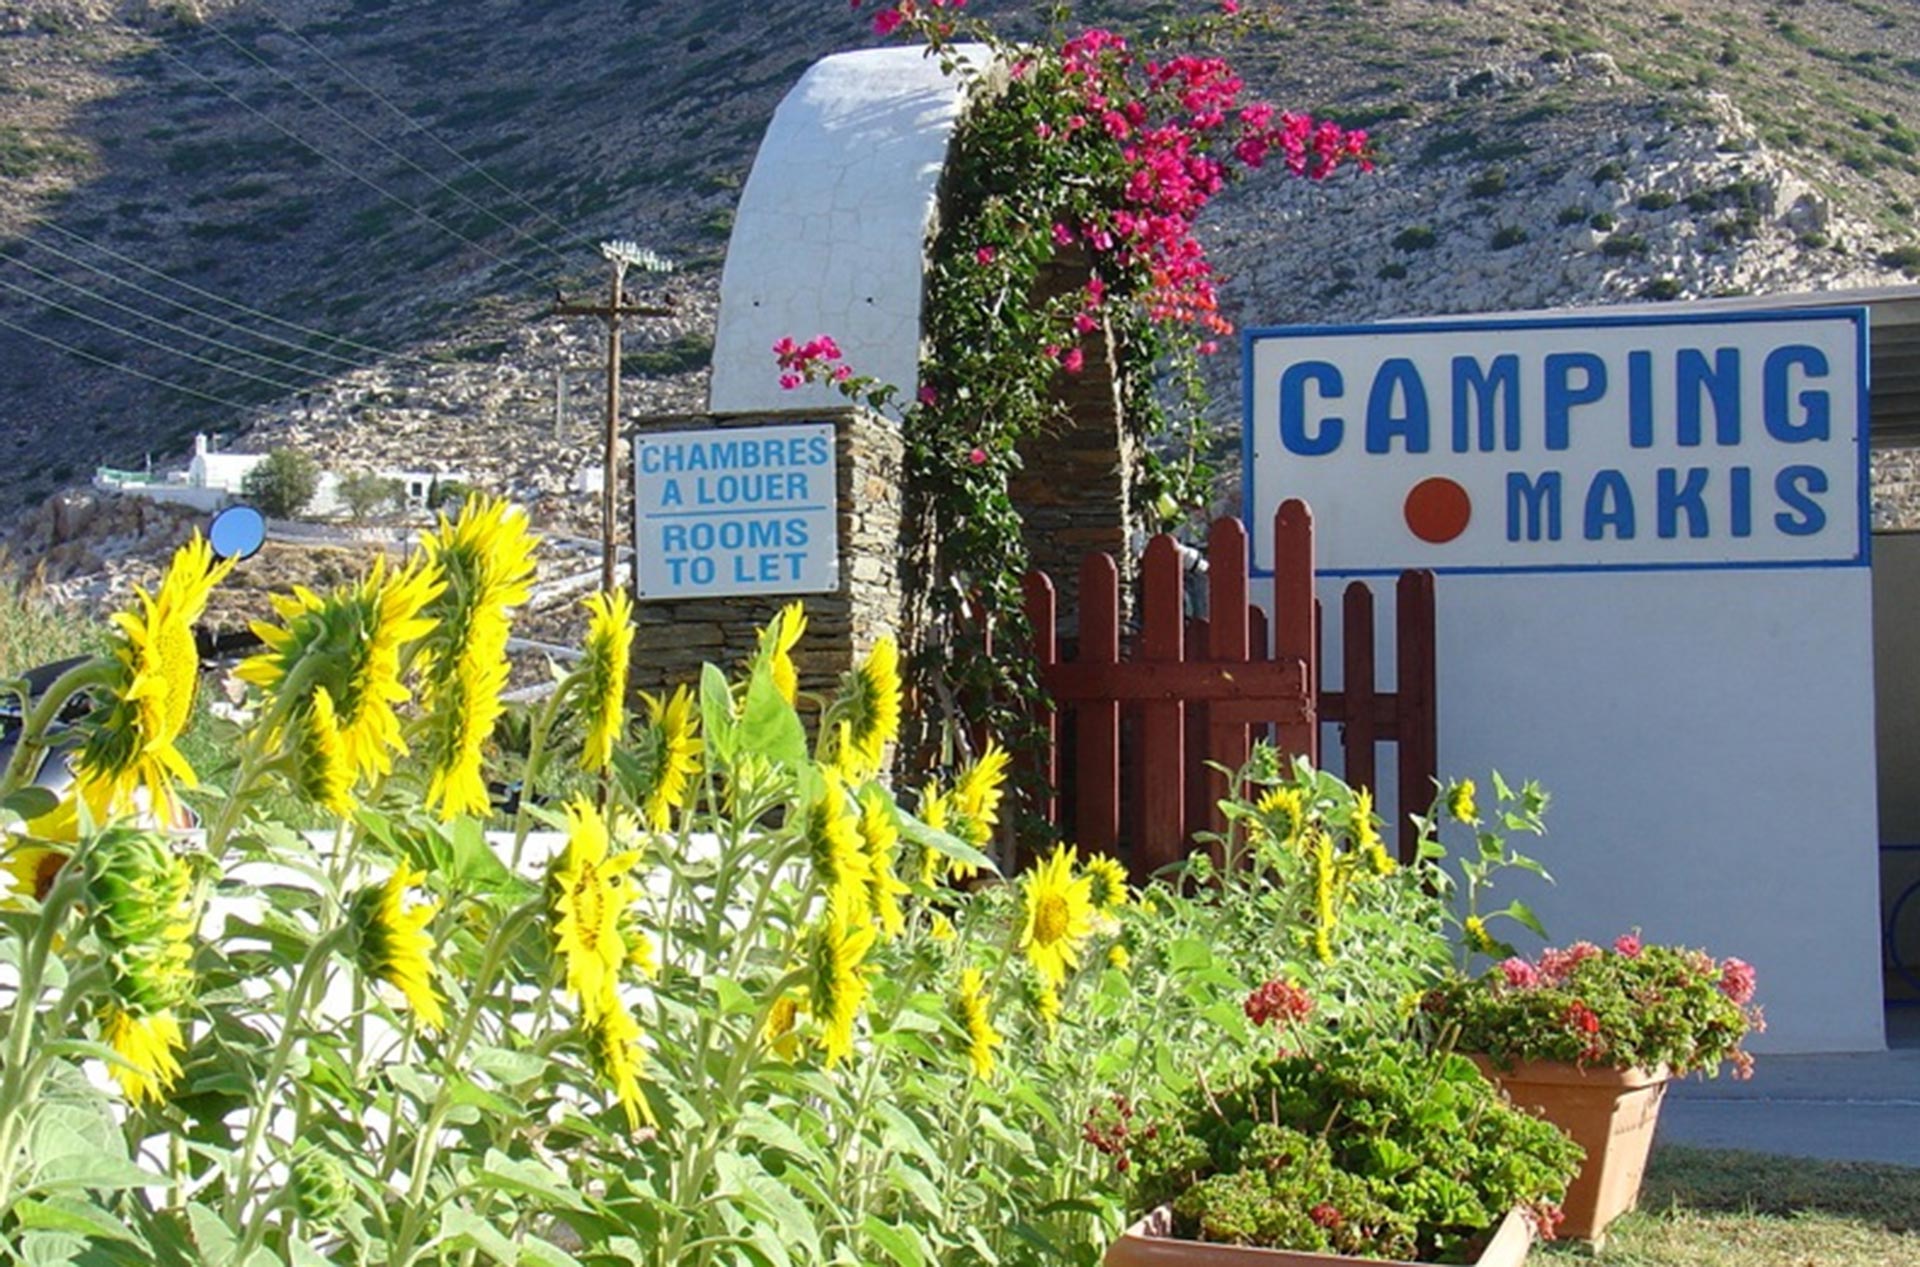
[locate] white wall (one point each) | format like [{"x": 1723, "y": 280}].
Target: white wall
[
  {"x": 1707, "y": 738},
  {"x": 830, "y": 234}
]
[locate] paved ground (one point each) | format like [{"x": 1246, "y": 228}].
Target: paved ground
[{"x": 1845, "y": 1107}]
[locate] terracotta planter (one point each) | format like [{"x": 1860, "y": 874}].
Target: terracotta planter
[
  {"x": 1146, "y": 1244},
  {"x": 1610, "y": 1113}
]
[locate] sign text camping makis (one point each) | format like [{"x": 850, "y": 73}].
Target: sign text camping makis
[
  {"x": 725, "y": 511},
  {"x": 1566, "y": 443}
]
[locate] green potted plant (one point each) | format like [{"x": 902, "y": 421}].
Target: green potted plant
[
  {"x": 1345, "y": 1143},
  {"x": 1589, "y": 1037}
]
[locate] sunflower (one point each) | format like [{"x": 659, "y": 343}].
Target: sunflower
[
  {"x": 941, "y": 929},
  {"x": 669, "y": 756},
  {"x": 461, "y": 712},
  {"x": 936, "y": 811},
  {"x": 842, "y": 868},
  {"x": 866, "y": 715},
  {"x": 1043, "y": 1001},
  {"x": 835, "y": 949},
  {"x": 970, "y": 1014},
  {"x": 602, "y": 675},
  {"x": 1282, "y": 814},
  {"x": 155, "y": 669},
  {"x": 34, "y": 858},
  {"x": 33, "y": 867},
  {"x": 148, "y": 1067},
  {"x": 1057, "y": 915},
  {"x": 977, "y": 792},
  {"x": 881, "y": 833},
  {"x": 349, "y": 642},
  {"x": 484, "y": 563},
  {"x": 782, "y": 1032},
  {"x": 321, "y": 769},
  {"x": 1460, "y": 801},
  {"x": 392, "y": 944},
  {"x": 777, "y": 641},
  {"x": 1366, "y": 835},
  {"x": 589, "y": 893},
  {"x": 613, "y": 1044},
  {"x": 1108, "y": 891},
  {"x": 1117, "y": 957}
]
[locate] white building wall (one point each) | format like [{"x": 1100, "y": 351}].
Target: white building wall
[
  {"x": 1708, "y": 741},
  {"x": 830, "y": 235}
]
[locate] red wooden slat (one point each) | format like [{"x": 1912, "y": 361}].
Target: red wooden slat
[
  {"x": 1357, "y": 667},
  {"x": 1294, "y": 633},
  {"x": 1227, "y": 641},
  {"x": 1163, "y": 835},
  {"x": 1199, "y": 637},
  {"x": 1260, "y": 651},
  {"x": 1419, "y": 733},
  {"x": 1098, "y": 763},
  {"x": 1040, "y": 603},
  {"x": 1195, "y": 681}
]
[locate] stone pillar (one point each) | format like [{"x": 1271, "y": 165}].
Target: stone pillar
[
  {"x": 675, "y": 636},
  {"x": 1075, "y": 491}
]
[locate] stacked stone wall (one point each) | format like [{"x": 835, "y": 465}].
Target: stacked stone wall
[{"x": 676, "y": 636}]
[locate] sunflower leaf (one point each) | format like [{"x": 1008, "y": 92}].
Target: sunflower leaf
[
  {"x": 770, "y": 728},
  {"x": 944, "y": 843},
  {"x": 716, "y": 714},
  {"x": 29, "y": 803}
]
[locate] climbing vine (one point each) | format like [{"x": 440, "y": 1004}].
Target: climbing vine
[{"x": 1067, "y": 227}]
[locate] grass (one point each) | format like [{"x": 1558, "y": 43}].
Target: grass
[
  {"x": 33, "y": 633},
  {"x": 1709, "y": 1208}
]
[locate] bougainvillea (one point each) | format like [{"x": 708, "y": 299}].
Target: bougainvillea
[{"x": 1067, "y": 228}]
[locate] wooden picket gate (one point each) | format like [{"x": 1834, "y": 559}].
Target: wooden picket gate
[{"x": 1192, "y": 691}]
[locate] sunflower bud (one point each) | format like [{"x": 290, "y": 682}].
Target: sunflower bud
[
  {"x": 139, "y": 893},
  {"x": 136, "y": 887},
  {"x": 319, "y": 1187}
]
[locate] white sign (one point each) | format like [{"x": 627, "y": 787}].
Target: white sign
[
  {"x": 1566, "y": 443},
  {"x": 736, "y": 510}
]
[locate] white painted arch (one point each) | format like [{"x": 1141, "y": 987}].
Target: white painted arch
[{"x": 831, "y": 232}]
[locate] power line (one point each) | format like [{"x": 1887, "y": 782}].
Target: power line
[
  {"x": 125, "y": 369},
  {"x": 346, "y": 167},
  {"x": 237, "y": 306},
  {"x": 150, "y": 293},
  {"x": 191, "y": 333},
  {"x": 155, "y": 343},
  {"x": 349, "y": 122},
  {"x": 415, "y": 125}
]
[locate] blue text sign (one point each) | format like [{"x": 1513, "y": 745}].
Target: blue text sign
[
  {"x": 726, "y": 511},
  {"x": 1565, "y": 443}
]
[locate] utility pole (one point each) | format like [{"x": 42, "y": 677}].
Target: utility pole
[{"x": 622, "y": 255}]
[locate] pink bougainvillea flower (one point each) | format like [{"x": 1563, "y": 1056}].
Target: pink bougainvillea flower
[
  {"x": 984, "y": 256},
  {"x": 789, "y": 381},
  {"x": 1737, "y": 981},
  {"x": 1062, "y": 235},
  {"x": 1520, "y": 974},
  {"x": 887, "y": 21},
  {"x": 1073, "y": 361},
  {"x": 1627, "y": 944},
  {"x": 928, "y": 396},
  {"x": 1228, "y": 7},
  {"x": 978, "y": 457},
  {"x": 841, "y": 373}
]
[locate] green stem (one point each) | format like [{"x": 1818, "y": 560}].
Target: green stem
[
  {"x": 27, "y": 751},
  {"x": 311, "y": 970},
  {"x": 427, "y": 1143},
  {"x": 543, "y": 725},
  {"x": 26, "y": 1011}
]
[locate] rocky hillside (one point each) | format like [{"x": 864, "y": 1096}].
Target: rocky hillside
[{"x": 374, "y": 200}]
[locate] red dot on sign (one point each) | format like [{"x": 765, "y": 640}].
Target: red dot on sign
[{"x": 1438, "y": 509}]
